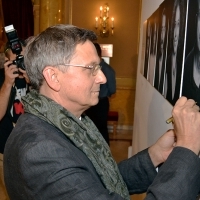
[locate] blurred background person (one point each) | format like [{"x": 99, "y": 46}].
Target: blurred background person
[{"x": 99, "y": 113}]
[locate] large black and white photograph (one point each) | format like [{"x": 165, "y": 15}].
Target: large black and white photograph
[
  {"x": 191, "y": 78},
  {"x": 165, "y": 48}
]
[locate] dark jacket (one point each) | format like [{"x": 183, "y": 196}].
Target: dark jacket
[{"x": 40, "y": 162}]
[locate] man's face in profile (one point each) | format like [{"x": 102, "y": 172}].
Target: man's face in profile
[{"x": 163, "y": 32}]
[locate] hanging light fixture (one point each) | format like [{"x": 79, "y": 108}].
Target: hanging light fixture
[{"x": 102, "y": 22}]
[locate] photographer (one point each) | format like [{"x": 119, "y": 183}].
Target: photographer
[{"x": 13, "y": 85}]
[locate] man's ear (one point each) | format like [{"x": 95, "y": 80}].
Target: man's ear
[{"x": 51, "y": 76}]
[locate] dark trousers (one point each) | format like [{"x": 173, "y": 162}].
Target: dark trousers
[{"x": 99, "y": 115}]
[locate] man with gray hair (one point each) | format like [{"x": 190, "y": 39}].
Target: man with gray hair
[{"x": 56, "y": 152}]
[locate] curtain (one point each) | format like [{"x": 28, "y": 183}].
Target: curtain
[{"x": 20, "y": 14}]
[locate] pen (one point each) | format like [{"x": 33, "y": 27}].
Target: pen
[{"x": 170, "y": 120}]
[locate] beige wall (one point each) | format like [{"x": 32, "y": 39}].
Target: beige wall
[
  {"x": 82, "y": 13},
  {"x": 125, "y": 38},
  {"x": 125, "y": 46},
  {"x": 123, "y": 102}
]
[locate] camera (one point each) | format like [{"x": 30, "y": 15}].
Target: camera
[{"x": 15, "y": 46}]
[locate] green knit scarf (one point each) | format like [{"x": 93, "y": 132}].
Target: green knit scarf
[{"x": 83, "y": 134}]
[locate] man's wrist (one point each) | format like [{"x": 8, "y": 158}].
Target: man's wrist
[{"x": 155, "y": 156}]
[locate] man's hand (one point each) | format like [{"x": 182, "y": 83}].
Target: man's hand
[
  {"x": 187, "y": 124},
  {"x": 160, "y": 151},
  {"x": 24, "y": 74}
]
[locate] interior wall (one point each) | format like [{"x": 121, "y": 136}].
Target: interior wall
[
  {"x": 125, "y": 48},
  {"x": 151, "y": 108},
  {"x": 125, "y": 36}
]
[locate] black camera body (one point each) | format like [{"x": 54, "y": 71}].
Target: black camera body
[
  {"x": 19, "y": 61},
  {"x": 15, "y": 46}
]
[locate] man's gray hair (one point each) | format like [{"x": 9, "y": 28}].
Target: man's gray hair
[{"x": 53, "y": 47}]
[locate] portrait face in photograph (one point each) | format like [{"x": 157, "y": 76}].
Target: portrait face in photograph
[
  {"x": 147, "y": 48},
  {"x": 191, "y": 76},
  {"x": 161, "y": 49},
  {"x": 176, "y": 29},
  {"x": 163, "y": 31},
  {"x": 153, "y": 49},
  {"x": 175, "y": 52}
]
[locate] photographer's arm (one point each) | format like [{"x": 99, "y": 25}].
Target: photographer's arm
[{"x": 7, "y": 86}]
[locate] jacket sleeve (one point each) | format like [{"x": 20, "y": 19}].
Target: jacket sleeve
[
  {"x": 178, "y": 178},
  {"x": 138, "y": 172}
]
